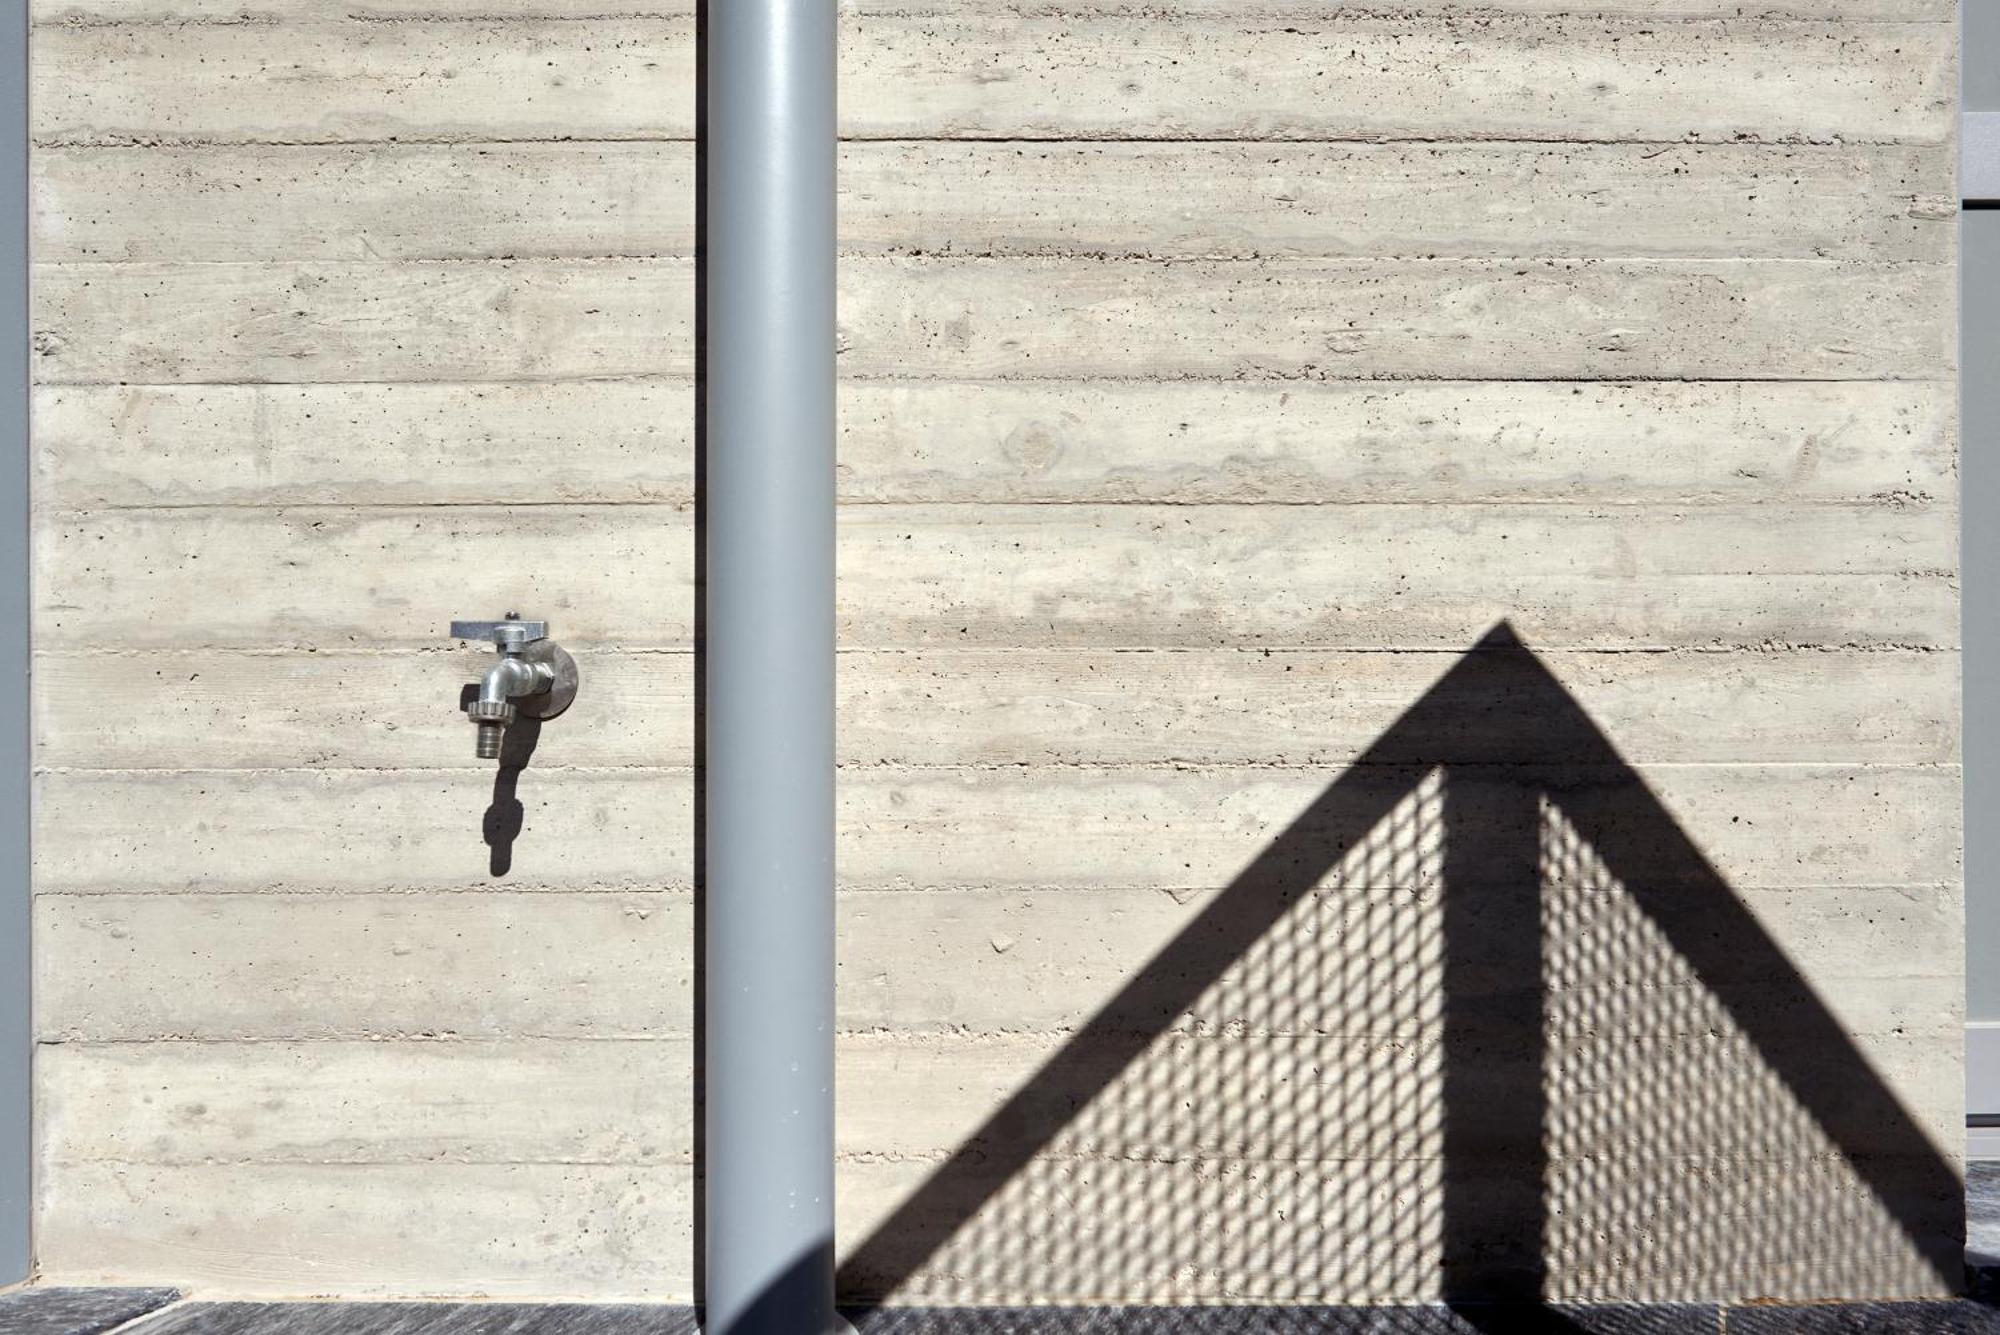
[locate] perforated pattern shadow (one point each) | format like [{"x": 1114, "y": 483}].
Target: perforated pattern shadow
[{"x": 1481, "y": 1025}]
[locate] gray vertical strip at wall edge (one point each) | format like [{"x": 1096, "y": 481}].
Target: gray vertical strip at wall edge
[
  {"x": 1979, "y": 481},
  {"x": 1979, "y": 155},
  {"x": 1979, "y": 34},
  {"x": 16, "y": 1034},
  {"x": 1979, "y": 343}
]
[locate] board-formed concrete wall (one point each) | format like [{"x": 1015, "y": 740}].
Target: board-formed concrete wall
[{"x": 1216, "y": 374}]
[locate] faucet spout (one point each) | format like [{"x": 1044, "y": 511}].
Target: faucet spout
[{"x": 511, "y": 676}]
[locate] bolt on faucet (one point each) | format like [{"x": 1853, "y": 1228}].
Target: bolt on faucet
[{"x": 533, "y": 676}]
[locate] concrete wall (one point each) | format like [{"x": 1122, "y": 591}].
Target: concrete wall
[{"x": 1215, "y": 376}]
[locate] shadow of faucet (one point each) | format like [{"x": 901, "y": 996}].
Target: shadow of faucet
[{"x": 505, "y": 815}]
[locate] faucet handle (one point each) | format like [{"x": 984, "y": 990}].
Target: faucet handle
[{"x": 512, "y": 630}]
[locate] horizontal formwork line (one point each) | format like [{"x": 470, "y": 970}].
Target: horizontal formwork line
[
  {"x": 1808, "y": 254},
  {"x": 1665, "y": 501},
  {"x": 876, "y": 1039},
  {"x": 1085, "y": 767},
  {"x": 665, "y": 889},
  {"x": 859, "y": 1041},
  {"x": 1833, "y": 146},
  {"x": 57, "y": 1040},
  {"x": 683, "y": 890},
  {"x": 1159, "y": 259},
  {"x": 414, "y": 1039},
  {"x": 1417, "y": 1031},
  {"x": 873, "y": 380},
  {"x": 1759, "y": 647},
  {"x": 1250, "y": 20},
  {"x": 1896, "y": 498},
  {"x": 1155, "y": 771},
  {"x": 1249, "y": 17},
  {"x": 911, "y": 1037},
  {"x": 206, "y": 652},
  {"x": 1189, "y": 378},
  {"x": 1162, "y": 1158},
  {"x": 673, "y": 1159},
  {"x": 1266, "y": 17},
  {"x": 917, "y": 770},
  {"x": 1835, "y": 142},
  {"x": 886, "y": 1037},
  {"x": 413, "y": 771},
  {"x": 1082, "y": 257}
]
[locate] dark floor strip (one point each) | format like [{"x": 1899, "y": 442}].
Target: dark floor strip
[
  {"x": 392, "y": 1318},
  {"x": 1649, "y": 1319},
  {"x": 59, "y": 1311},
  {"x": 99, "y": 1312},
  {"x": 1959, "y": 1318},
  {"x": 351, "y": 1318}
]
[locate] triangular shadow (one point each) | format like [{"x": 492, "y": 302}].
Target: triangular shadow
[{"x": 1511, "y": 743}]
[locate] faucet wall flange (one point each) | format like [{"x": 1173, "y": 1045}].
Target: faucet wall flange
[{"x": 562, "y": 680}]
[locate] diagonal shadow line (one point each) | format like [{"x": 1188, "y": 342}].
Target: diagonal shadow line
[
  {"x": 1498, "y": 707},
  {"x": 1806, "y": 1047},
  {"x": 1091, "y": 1059}
]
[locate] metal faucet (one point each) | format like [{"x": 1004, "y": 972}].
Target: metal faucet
[{"x": 533, "y": 676}]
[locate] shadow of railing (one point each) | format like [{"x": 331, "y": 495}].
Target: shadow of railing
[{"x": 1481, "y": 1025}]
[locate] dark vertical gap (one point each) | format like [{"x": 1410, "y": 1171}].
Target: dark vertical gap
[
  {"x": 700, "y": 1012},
  {"x": 1495, "y": 1159}
]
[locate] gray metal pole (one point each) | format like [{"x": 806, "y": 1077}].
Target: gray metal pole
[{"x": 770, "y": 644}]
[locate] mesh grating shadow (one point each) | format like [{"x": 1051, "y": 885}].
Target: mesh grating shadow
[{"x": 1482, "y": 1025}]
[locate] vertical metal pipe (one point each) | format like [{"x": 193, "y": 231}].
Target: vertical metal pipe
[{"x": 769, "y": 359}]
